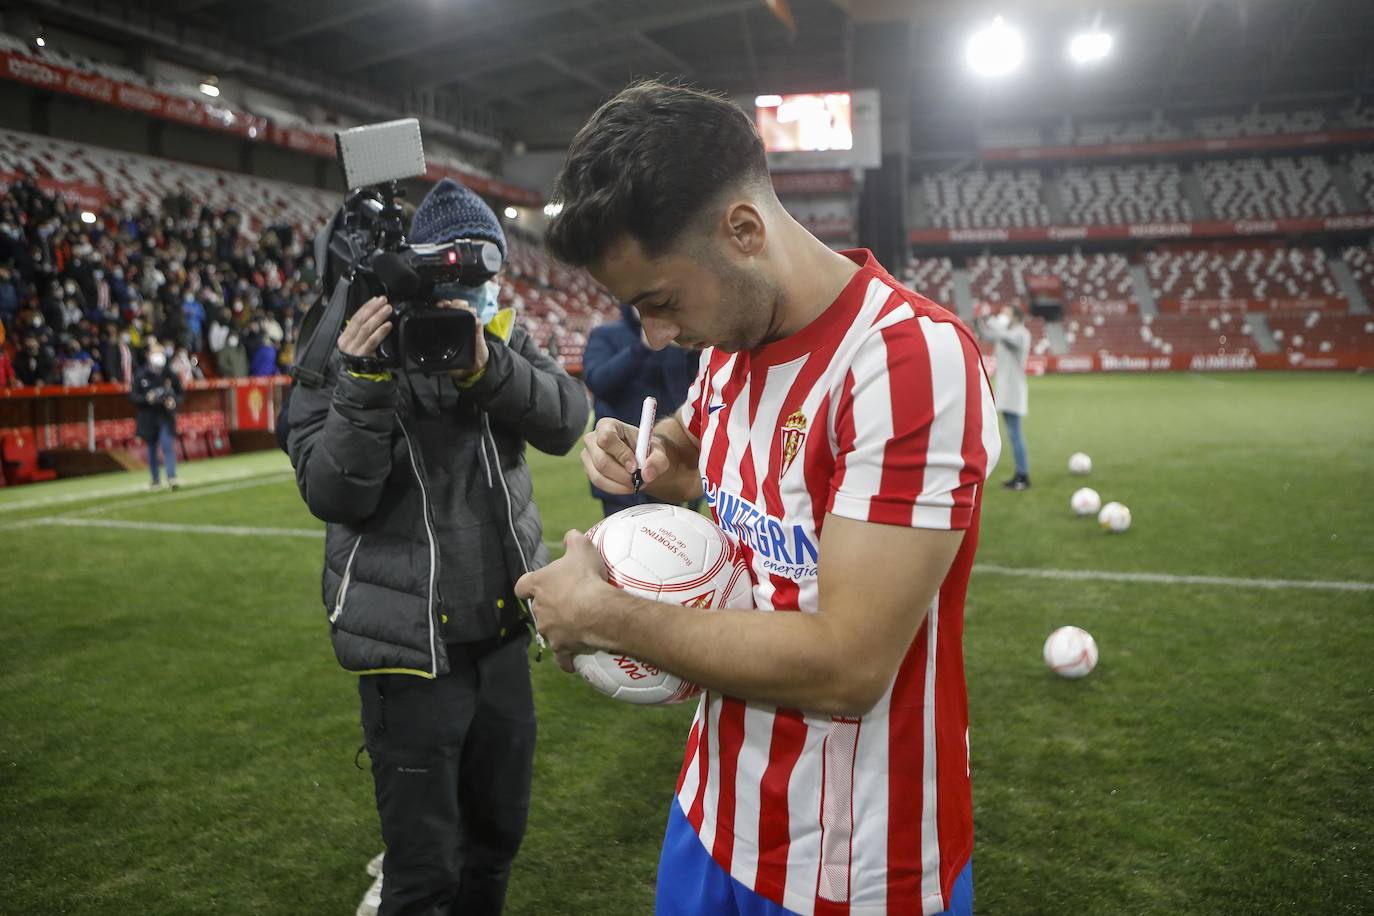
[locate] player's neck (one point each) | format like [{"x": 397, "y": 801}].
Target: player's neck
[{"x": 813, "y": 278}]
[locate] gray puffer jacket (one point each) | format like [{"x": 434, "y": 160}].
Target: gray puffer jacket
[{"x": 428, "y": 499}]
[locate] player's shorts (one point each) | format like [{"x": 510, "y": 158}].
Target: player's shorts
[{"x": 691, "y": 883}]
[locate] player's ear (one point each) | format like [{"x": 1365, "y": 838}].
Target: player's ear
[{"x": 745, "y": 229}]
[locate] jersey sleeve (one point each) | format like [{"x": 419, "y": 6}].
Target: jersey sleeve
[{"x": 915, "y": 428}]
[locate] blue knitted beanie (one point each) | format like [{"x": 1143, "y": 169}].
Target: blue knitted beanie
[{"x": 450, "y": 211}]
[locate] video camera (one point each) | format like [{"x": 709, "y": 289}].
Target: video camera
[{"x": 362, "y": 252}]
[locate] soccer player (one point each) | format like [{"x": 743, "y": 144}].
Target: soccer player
[{"x": 841, "y": 428}]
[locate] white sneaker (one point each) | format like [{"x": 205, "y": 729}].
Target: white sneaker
[
  {"x": 374, "y": 868},
  {"x": 172, "y": 482},
  {"x": 372, "y": 900},
  {"x": 152, "y": 487}
]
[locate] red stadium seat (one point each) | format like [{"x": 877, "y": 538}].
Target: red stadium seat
[
  {"x": 19, "y": 455},
  {"x": 217, "y": 441},
  {"x": 194, "y": 445}
]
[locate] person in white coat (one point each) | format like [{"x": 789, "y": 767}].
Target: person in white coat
[{"x": 1007, "y": 330}]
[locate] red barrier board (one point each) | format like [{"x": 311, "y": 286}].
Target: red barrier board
[
  {"x": 1311, "y": 303},
  {"x": 1197, "y": 362},
  {"x": 86, "y": 195},
  {"x": 833, "y": 182},
  {"x": 1162, "y": 230},
  {"x": 35, "y": 72}
]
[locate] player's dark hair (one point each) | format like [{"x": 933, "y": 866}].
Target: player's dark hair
[{"x": 647, "y": 163}]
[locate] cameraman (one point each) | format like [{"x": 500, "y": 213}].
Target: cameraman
[{"x": 431, "y": 519}]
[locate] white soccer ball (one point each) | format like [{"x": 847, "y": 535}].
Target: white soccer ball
[
  {"x": 1114, "y": 517},
  {"x": 1071, "y": 652},
  {"x": 1080, "y": 463},
  {"x": 664, "y": 553},
  {"x": 1085, "y": 501}
]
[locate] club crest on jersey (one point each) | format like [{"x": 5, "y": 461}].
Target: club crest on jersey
[{"x": 793, "y": 435}]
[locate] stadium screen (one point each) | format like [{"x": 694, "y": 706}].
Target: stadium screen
[{"x": 805, "y": 123}]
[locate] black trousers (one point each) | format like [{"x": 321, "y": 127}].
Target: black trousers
[{"x": 452, "y": 759}]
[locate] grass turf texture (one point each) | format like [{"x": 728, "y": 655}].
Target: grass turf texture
[{"x": 178, "y": 738}]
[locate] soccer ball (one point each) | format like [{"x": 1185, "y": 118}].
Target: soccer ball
[
  {"x": 1085, "y": 501},
  {"x": 664, "y": 553},
  {"x": 1114, "y": 517},
  {"x": 1071, "y": 652},
  {"x": 1080, "y": 463}
]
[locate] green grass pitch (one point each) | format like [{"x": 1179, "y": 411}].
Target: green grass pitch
[{"x": 176, "y": 738}]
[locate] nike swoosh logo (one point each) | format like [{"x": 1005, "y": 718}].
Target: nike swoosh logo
[{"x": 714, "y": 407}]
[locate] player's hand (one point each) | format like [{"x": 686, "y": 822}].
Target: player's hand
[
  {"x": 608, "y": 455},
  {"x": 479, "y": 346},
  {"x": 367, "y": 328},
  {"x": 566, "y": 597},
  {"x": 151, "y": 397}
]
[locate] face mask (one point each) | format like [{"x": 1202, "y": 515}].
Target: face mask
[
  {"x": 483, "y": 299},
  {"x": 157, "y": 361}
]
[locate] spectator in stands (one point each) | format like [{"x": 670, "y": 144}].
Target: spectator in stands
[
  {"x": 185, "y": 366},
  {"x": 116, "y": 356},
  {"x": 9, "y": 295},
  {"x": 193, "y": 313},
  {"x": 77, "y": 364},
  {"x": 232, "y": 359},
  {"x": 37, "y": 327},
  {"x": 8, "y": 378},
  {"x": 33, "y": 365},
  {"x": 263, "y": 360},
  {"x": 621, "y": 371},
  {"x": 1012, "y": 342},
  {"x": 157, "y": 393},
  {"x": 454, "y": 689}
]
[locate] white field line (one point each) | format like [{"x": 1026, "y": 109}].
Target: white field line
[
  {"x": 1105, "y": 575},
  {"x": 169, "y": 527},
  {"x": 125, "y": 490},
  {"x": 154, "y": 499},
  {"x": 161, "y": 497},
  {"x": 1097, "y": 575}
]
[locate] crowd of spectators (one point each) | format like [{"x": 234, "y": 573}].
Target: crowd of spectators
[{"x": 85, "y": 296}]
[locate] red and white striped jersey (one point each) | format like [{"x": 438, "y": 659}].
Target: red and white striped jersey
[{"x": 879, "y": 410}]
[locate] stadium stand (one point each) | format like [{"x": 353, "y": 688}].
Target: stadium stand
[
  {"x": 560, "y": 305},
  {"x": 1260, "y": 124},
  {"x": 143, "y": 183},
  {"x": 1243, "y": 272},
  {"x": 1123, "y": 194},
  {"x": 1313, "y": 333},
  {"x": 1132, "y": 335},
  {"x": 1092, "y": 282},
  {"x": 979, "y": 199},
  {"x": 1093, "y": 133},
  {"x": 1360, "y": 260},
  {"x": 1361, "y": 166},
  {"x": 1284, "y": 186},
  {"x": 932, "y": 278}
]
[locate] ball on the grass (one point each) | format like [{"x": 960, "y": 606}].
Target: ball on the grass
[
  {"x": 1085, "y": 501},
  {"x": 1071, "y": 652},
  {"x": 664, "y": 553},
  {"x": 1079, "y": 463},
  {"x": 1114, "y": 517}
]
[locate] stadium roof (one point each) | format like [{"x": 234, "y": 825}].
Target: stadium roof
[{"x": 542, "y": 65}]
